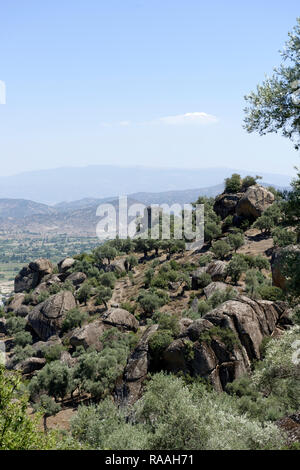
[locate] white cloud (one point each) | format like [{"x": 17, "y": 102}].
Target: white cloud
[{"x": 197, "y": 118}]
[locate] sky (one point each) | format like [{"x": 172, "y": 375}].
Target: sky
[{"x": 155, "y": 83}]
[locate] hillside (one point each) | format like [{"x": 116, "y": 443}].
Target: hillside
[{"x": 156, "y": 337}]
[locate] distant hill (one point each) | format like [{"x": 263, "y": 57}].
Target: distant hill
[
  {"x": 104, "y": 181},
  {"x": 19, "y": 208}
]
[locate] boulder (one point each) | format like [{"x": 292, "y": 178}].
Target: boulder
[
  {"x": 195, "y": 305},
  {"x": 32, "y": 274},
  {"x": 121, "y": 318},
  {"x": 197, "y": 327},
  {"x": 118, "y": 266},
  {"x": 65, "y": 264},
  {"x": 3, "y": 326},
  {"x": 217, "y": 286},
  {"x": 46, "y": 318},
  {"x": 40, "y": 347},
  {"x": 184, "y": 324},
  {"x": 217, "y": 270},
  {"x": 226, "y": 204},
  {"x": 30, "y": 365},
  {"x": 254, "y": 202},
  {"x": 129, "y": 391},
  {"x": 195, "y": 277},
  {"x": 15, "y": 303},
  {"x": 76, "y": 278},
  {"x": 88, "y": 335},
  {"x": 22, "y": 311},
  {"x": 67, "y": 359},
  {"x": 277, "y": 261}
]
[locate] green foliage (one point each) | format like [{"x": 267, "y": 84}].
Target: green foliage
[
  {"x": 233, "y": 184},
  {"x": 236, "y": 267},
  {"x": 249, "y": 181},
  {"x": 21, "y": 353},
  {"x": 159, "y": 341},
  {"x": 271, "y": 293},
  {"x": 204, "y": 260},
  {"x": 221, "y": 249},
  {"x": 225, "y": 335},
  {"x": 204, "y": 280},
  {"x": 167, "y": 321},
  {"x": 283, "y": 237},
  {"x": 15, "y": 325},
  {"x": 44, "y": 295},
  {"x": 236, "y": 240},
  {"x": 22, "y": 338},
  {"x": 271, "y": 108},
  {"x": 53, "y": 352},
  {"x": 104, "y": 294},
  {"x": 55, "y": 379},
  {"x": 150, "y": 301},
  {"x": 130, "y": 262},
  {"x": 73, "y": 319},
  {"x": 103, "y": 252},
  {"x": 84, "y": 292}
]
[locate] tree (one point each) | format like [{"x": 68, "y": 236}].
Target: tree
[
  {"x": 236, "y": 267},
  {"x": 48, "y": 407},
  {"x": 84, "y": 293},
  {"x": 105, "y": 251},
  {"x": 130, "y": 262},
  {"x": 264, "y": 223},
  {"x": 283, "y": 237},
  {"x": 233, "y": 184},
  {"x": 221, "y": 249},
  {"x": 249, "y": 181},
  {"x": 73, "y": 319},
  {"x": 149, "y": 301},
  {"x": 104, "y": 294},
  {"x": 55, "y": 379},
  {"x": 274, "y": 107},
  {"x": 236, "y": 240}
]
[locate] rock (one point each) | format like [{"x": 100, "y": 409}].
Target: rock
[
  {"x": 216, "y": 355},
  {"x": 46, "y": 318},
  {"x": 197, "y": 327},
  {"x": 30, "y": 365},
  {"x": 194, "y": 305},
  {"x": 40, "y": 347},
  {"x": 136, "y": 369},
  {"x": 254, "y": 202},
  {"x": 184, "y": 323},
  {"x": 121, "y": 318},
  {"x": 65, "y": 264},
  {"x": 217, "y": 286},
  {"x": 195, "y": 277},
  {"x": 31, "y": 275},
  {"x": 118, "y": 266},
  {"x": 88, "y": 335},
  {"x": 15, "y": 303},
  {"x": 67, "y": 359},
  {"x": 22, "y": 311},
  {"x": 76, "y": 278},
  {"x": 217, "y": 270},
  {"x": 226, "y": 204},
  {"x": 277, "y": 261}
]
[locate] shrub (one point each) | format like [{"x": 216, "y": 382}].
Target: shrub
[
  {"x": 73, "y": 319},
  {"x": 204, "y": 260},
  {"x": 236, "y": 240},
  {"x": 204, "y": 280},
  {"x": 221, "y": 249},
  {"x": 15, "y": 325},
  {"x": 104, "y": 294},
  {"x": 233, "y": 184},
  {"x": 22, "y": 338},
  {"x": 84, "y": 293},
  {"x": 236, "y": 267},
  {"x": 283, "y": 237},
  {"x": 271, "y": 293},
  {"x": 55, "y": 379},
  {"x": 150, "y": 301},
  {"x": 159, "y": 341},
  {"x": 53, "y": 352}
]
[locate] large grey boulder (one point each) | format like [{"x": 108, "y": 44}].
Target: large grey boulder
[
  {"x": 76, "y": 278},
  {"x": 226, "y": 204},
  {"x": 32, "y": 274},
  {"x": 254, "y": 202},
  {"x": 217, "y": 270},
  {"x": 46, "y": 318},
  {"x": 30, "y": 365},
  {"x": 213, "y": 287},
  {"x": 120, "y": 317},
  {"x": 88, "y": 335},
  {"x": 65, "y": 264}
]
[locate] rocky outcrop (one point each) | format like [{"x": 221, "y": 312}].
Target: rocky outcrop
[
  {"x": 46, "y": 318},
  {"x": 30, "y": 365},
  {"x": 65, "y": 264},
  {"x": 254, "y": 202},
  {"x": 281, "y": 257},
  {"x": 217, "y": 270},
  {"x": 88, "y": 335},
  {"x": 220, "y": 346},
  {"x": 226, "y": 204},
  {"x": 121, "y": 318},
  {"x": 32, "y": 274},
  {"x": 217, "y": 286},
  {"x": 129, "y": 390},
  {"x": 15, "y": 303},
  {"x": 76, "y": 278},
  {"x": 196, "y": 278}
]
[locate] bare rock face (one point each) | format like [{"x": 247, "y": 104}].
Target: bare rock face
[
  {"x": 223, "y": 354},
  {"x": 32, "y": 274},
  {"x": 226, "y": 204},
  {"x": 121, "y": 318},
  {"x": 196, "y": 275},
  {"x": 117, "y": 266},
  {"x": 214, "y": 287},
  {"x": 88, "y": 335},
  {"x": 254, "y": 202},
  {"x": 65, "y": 264},
  {"x": 30, "y": 365},
  {"x": 16, "y": 302},
  {"x": 76, "y": 278},
  {"x": 279, "y": 257},
  {"x": 217, "y": 270},
  {"x": 136, "y": 370},
  {"x": 46, "y": 318}
]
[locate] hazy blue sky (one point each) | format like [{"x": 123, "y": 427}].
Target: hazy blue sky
[{"x": 115, "y": 81}]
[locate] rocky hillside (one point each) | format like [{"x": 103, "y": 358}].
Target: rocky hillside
[{"x": 104, "y": 322}]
